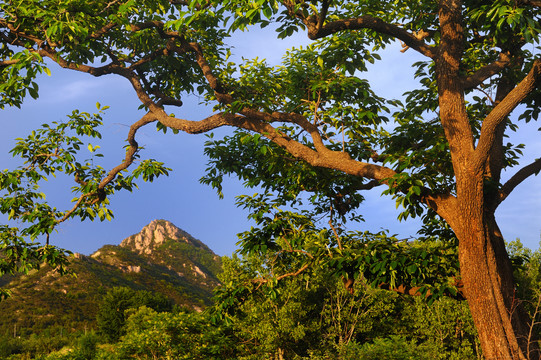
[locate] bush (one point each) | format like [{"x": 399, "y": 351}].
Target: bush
[
  {"x": 392, "y": 348},
  {"x": 111, "y": 314},
  {"x": 86, "y": 346}
]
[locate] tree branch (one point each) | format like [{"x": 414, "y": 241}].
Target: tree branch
[
  {"x": 95, "y": 71},
  {"x": 131, "y": 151},
  {"x": 128, "y": 160},
  {"x": 444, "y": 205},
  {"x": 105, "y": 29},
  {"x": 502, "y": 110},
  {"x": 517, "y": 179},
  {"x": 336, "y": 160},
  {"x": 504, "y": 59},
  {"x": 372, "y": 23},
  {"x": 264, "y": 281},
  {"x": 414, "y": 290},
  {"x": 322, "y": 14},
  {"x": 8, "y": 62},
  {"x": 536, "y": 3},
  {"x": 212, "y": 80}
]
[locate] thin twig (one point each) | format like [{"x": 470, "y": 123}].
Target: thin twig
[{"x": 334, "y": 230}]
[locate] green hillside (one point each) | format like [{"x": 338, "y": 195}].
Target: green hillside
[{"x": 170, "y": 262}]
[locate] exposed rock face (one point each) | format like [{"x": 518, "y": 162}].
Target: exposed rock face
[
  {"x": 165, "y": 244},
  {"x": 135, "y": 269},
  {"x": 155, "y": 234}
]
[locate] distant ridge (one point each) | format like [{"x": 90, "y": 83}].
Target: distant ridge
[{"x": 160, "y": 258}]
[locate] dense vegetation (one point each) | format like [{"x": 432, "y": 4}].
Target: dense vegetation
[{"x": 308, "y": 317}]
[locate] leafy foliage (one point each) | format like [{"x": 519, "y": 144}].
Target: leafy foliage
[
  {"x": 152, "y": 335},
  {"x": 291, "y": 243},
  {"x": 46, "y": 153},
  {"x": 314, "y": 316},
  {"x": 111, "y": 315},
  {"x": 309, "y": 317}
]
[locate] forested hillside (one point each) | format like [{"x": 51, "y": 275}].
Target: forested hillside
[{"x": 161, "y": 258}]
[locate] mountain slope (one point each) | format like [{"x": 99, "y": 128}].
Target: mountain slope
[{"x": 161, "y": 258}]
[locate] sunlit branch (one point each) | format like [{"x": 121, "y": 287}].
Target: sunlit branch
[
  {"x": 487, "y": 71},
  {"x": 445, "y": 205},
  {"x": 372, "y": 23},
  {"x": 131, "y": 151},
  {"x": 95, "y": 71},
  {"x": 502, "y": 110},
  {"x": 8, "y": 62},
  {"x": 261, "y": 281},
  {"x": 198, "y": 6},
  {"x": 111, "y": 3},
  {"x": 104, "y": 30},
  {"x": 75, "y": 207},
  {"x": 334, "y": 230},
  {"x": 150, "y": 57},
  {"x": 212, "y": 80},
  {"x": 529, "y": 2},
  {"x": 415, "y": 290},
  {"x": 322, "y": 14},
  {"x": 128, "y": 160}
]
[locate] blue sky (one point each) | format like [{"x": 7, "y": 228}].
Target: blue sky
[{"x": 180, "y": 198}]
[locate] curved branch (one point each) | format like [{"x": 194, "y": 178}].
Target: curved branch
[
  {"x": 443, "y": 204},
  {"x": 502, "y": 110},
  {"x": 212, "y": 80},
  {"x": 105, "y": 29},
  {"x": 75, "y": 207},
  {"x": 261, "y": 281},
  {"x": 504, "y": 59},
  {"x": 532, "y": 169},
  {"x": 148, "y": 58},
  {"x": 414, "y": 290},
  {"x": 372, "y": 23},
  {"x": 336, "y": 160},
  {"x": 128, "y": 160},
  {"x": 131, "y": 151},
  {"x": 95, "y": 71}
]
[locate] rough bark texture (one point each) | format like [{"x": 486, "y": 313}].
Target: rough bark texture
[
  {"x": 487, "y": 275},
  {"x": 485, "y": 267}
]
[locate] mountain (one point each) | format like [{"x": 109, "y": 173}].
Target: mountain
[{"x": 160, "y": 258}]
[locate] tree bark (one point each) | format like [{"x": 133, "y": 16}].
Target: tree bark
[
  {"x": 485, "y": 267},
  {"x": 501, "y": 322}
]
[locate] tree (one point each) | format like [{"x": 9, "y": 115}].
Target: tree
[
  {"x": 313, "y": 314},
  {"x": 182, "y": 335},
  {"x": 111, "y": 315},
  {"x": 441, "y": 156}
]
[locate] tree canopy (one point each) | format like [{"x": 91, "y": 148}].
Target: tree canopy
[{"x": 312, "y": 132}]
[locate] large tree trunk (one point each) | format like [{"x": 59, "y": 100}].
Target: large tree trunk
[{"x": 501, "y": 322}]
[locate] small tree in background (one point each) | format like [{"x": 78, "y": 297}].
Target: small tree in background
[{"x": 112, "y": 316}]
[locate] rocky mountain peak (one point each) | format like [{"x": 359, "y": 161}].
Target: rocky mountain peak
[{"x": 155, "y": 234}]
